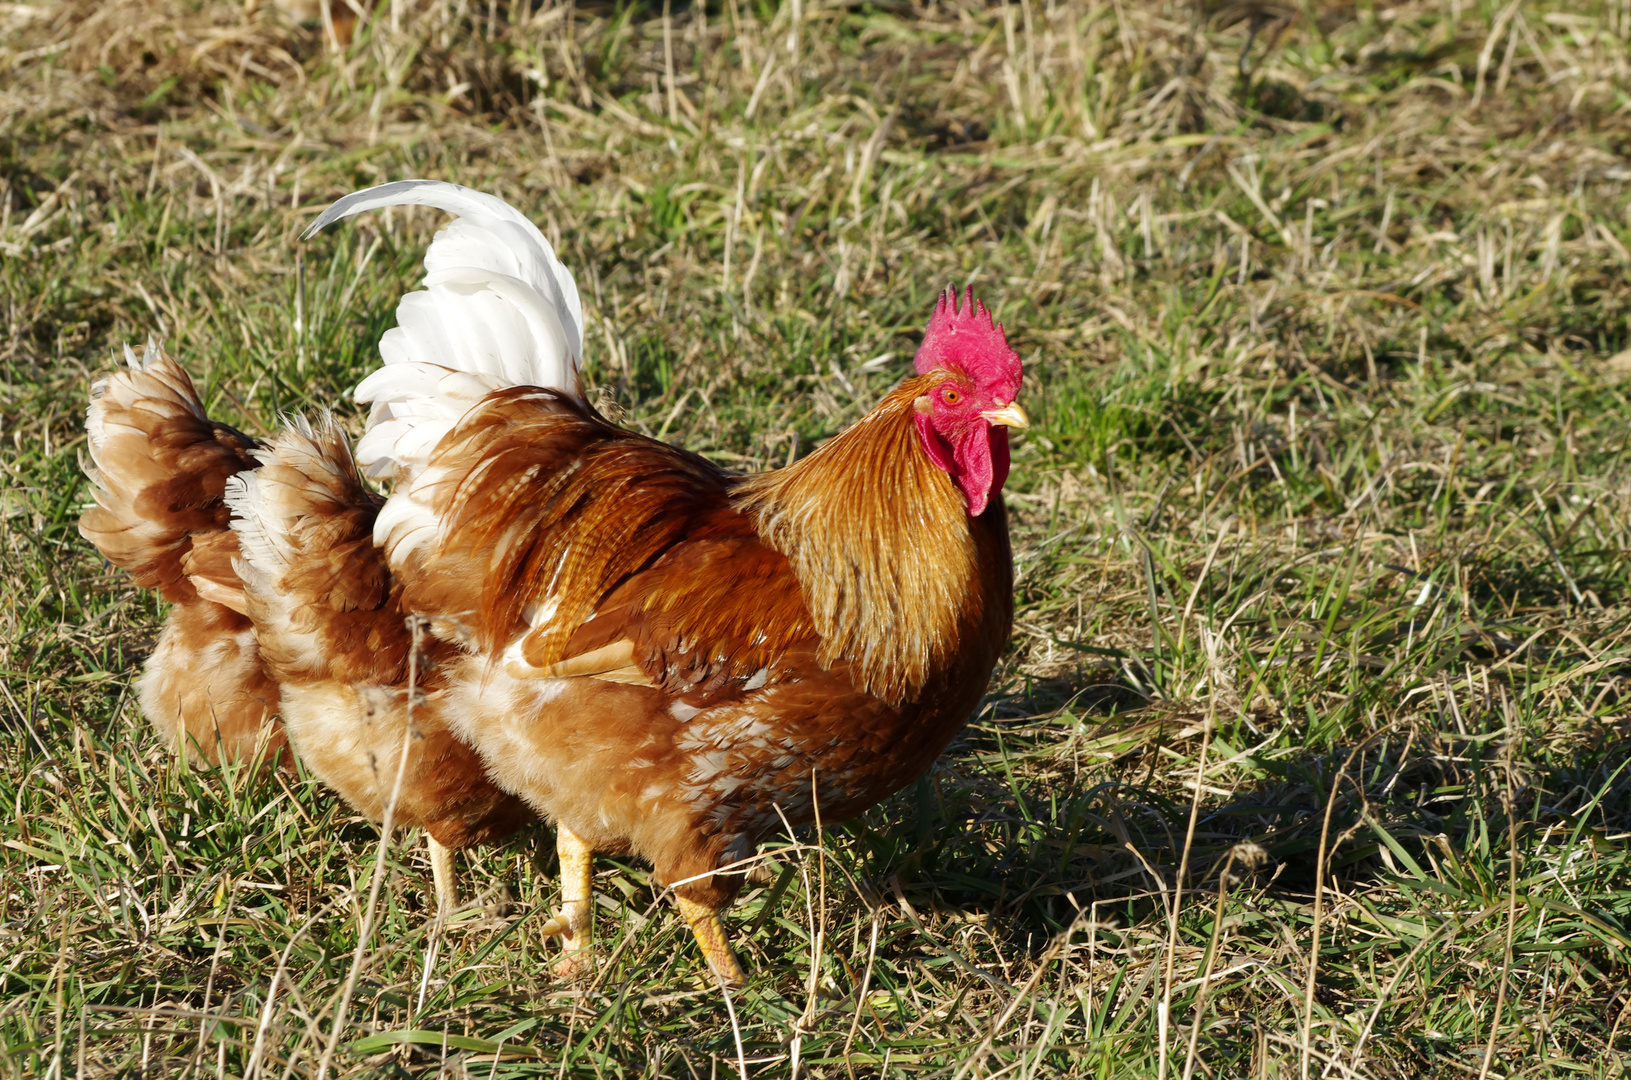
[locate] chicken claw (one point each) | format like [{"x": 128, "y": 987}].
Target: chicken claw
[
  {"x": 575, "y": 920},
  {"x": 710, "y": 933}
]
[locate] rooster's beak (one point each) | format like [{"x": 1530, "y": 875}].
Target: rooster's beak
[{"x": 1008, "y": 416}]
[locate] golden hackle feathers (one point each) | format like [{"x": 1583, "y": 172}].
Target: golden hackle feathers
[{"x": 880, "y": 541}]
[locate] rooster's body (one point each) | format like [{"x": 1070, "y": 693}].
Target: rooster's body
[
  {"x": 707, "y": 678},
  {"x": 658, "y": 657}
]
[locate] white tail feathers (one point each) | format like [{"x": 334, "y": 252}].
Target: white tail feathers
[{"x": 498, "y": 310}]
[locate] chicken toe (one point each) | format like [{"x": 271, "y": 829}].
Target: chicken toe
[
  {"x": 716, "y": 948},
  {"x": 575, "y": 920}
]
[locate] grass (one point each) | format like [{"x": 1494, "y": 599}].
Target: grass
[{"x": 1310, "y": 756}]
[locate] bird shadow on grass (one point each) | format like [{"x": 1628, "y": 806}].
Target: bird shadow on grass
[{"x": 1028, "y": 823}]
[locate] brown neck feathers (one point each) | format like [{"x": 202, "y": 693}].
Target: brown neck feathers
[{"x": 882, "y": 545}]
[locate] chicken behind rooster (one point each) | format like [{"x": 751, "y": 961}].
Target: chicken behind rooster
[
  {"x": 161, "y": 469},
  {"x": 663, "y": 658},
  {"x": 362, "y": 699}
]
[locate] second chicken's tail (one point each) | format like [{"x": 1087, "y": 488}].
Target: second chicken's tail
[{"x": 319, "y": 592}]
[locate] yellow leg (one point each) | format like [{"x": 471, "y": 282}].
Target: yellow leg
[
  {"x": 575, "y": 921},
  {"x": 443, "y": 875},
  {"x": 711, "y": 940}
]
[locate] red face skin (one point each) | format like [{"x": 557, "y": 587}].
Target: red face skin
[
  {"x": 972, "y": 449},
  {"x": 963, "y": 420}
]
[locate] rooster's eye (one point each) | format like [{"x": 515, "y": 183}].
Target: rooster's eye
[{"x": 950, "y": 396}]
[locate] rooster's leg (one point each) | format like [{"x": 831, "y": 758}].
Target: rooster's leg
[
  {"x": 716, "y": 948},
  {"x": 575, "y": 921},
  {"x": 443, "y": 875}
]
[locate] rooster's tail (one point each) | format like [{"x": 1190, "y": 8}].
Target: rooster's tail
[
  {"x": 160, "y": 468},
  {"x": 498, "y": 310}
]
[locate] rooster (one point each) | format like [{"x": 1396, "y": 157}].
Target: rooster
[
  {"x": 659, "y": 657},
  {"x": 160, "y": 470}
]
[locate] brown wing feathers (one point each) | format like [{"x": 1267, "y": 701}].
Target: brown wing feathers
[
  {"x": 548, "y": 508},
  {"x": 602, "y": 553},
  {"x": 716, "y": 612}
]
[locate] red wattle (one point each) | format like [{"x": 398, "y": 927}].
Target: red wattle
[{"x": 978, "y": 464}]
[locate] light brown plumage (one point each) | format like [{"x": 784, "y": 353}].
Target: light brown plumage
[
  {"x": 161, "y": 466},
  {"x": 334, "y": 633},
  {"x": 672, "y": 661}
]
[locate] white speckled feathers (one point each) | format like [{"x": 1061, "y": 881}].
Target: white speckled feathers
[
  {"x": 287, "y": 515},
  {"x": 310, "y": 474}
]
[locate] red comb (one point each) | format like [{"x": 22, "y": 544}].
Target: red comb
[{"x": 965, "y": 339}]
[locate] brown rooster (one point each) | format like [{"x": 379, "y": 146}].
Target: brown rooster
[
  {"x": 661, "y": 658},
  {"x": 161, "y": 468}
]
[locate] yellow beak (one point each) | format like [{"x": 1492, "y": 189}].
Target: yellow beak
[{"x": 1009, "y": 416}]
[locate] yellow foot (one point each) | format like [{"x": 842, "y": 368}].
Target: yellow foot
[
  {"x": 710, "y": 934},
  {"x": 443, "y": 875},
  {"x": 574, "y": 922}
]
